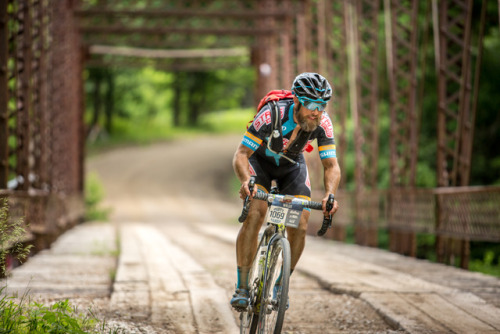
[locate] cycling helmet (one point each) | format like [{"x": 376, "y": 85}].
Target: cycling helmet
[{"x": 313, "y": 87}]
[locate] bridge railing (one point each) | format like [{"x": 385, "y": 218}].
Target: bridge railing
[
  {"x": 454, "y": 215},
  {"x": 41, "y": 116}
]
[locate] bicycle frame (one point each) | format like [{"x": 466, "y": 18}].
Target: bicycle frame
[{"x": 273, "y": 253}]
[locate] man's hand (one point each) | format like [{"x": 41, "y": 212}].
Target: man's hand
[
  {"x": 245, "y": 190},
  {"x": 333, "y": 210}
]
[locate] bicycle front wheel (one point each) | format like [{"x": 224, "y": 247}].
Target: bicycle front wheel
[
  {"x": 275, "y": 290},
  {"x": 249, "y": 318}
]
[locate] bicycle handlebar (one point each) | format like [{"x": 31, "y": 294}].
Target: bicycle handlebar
[
  {"x": 246, "y": 203},
  {"x": 327, "y": 220}
]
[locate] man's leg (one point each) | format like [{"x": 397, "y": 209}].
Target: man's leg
[
  {"x": 297, "y": 238},
  {"x": 246, "y": 246}
]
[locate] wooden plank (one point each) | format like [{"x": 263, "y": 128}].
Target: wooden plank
[
  {"x": 200, "y": 297},
  {"x": 401, "y": 314},
  {"x": 455, "y": 318},
  {"x": 130, "y": 297}
]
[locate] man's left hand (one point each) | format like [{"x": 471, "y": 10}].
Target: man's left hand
[{"x": 333, "y": 210}]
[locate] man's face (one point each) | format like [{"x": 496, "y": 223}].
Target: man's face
[{"x": 307, "y": 119}]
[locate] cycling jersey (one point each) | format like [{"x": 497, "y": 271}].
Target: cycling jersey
[{"x": 258, "y": 133}]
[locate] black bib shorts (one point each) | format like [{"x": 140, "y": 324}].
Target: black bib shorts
[{"x": 292, "y": 179}]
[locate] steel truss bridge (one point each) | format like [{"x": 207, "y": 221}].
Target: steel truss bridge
[{"x": 46, "y": 44}]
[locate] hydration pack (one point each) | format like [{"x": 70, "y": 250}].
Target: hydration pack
[{"x": 275, "y": 142}]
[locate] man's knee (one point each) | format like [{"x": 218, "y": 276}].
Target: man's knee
[{"x": 257, "y": 212}]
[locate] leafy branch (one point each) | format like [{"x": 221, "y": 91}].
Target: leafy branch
[{"x": 12, "y": 237}]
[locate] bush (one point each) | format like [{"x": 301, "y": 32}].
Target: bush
[
  {"x": 94, "y": 195},
  {"x": 12, "y": 237}
]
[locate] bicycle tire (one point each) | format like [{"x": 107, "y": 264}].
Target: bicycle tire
[
  {"x": 273, "y": 307},
  {"x": 249, "y": 318}
]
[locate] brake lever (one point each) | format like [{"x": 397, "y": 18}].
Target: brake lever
[{"x": 327, "y": 220}]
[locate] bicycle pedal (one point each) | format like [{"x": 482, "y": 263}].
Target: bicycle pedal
[{"x": 240, "y": 308}]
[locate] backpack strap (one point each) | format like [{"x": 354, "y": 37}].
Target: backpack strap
[
  {"x": 298, "y": 144},
  {"x": 275, "y": 142}
]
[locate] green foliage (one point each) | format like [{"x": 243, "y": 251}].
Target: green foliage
[
  {"x": 227, "y": 121},
  {"x": 26, "y": 316},
  {"x": 158, "y": 102},
  {"x": 160, "y": 128},
  {"x": 12, "y": 237},
  {"x": 426, "y": 247},
  {"x": 94, "y": 195},
  {"x": 489, "y": 264},
  {"x": 485, "y": 258}
]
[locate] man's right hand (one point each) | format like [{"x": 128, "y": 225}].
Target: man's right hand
[{"x": 245, "y": 190}]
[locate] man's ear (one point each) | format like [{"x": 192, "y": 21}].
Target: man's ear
[{"x": 295, "y": 100}]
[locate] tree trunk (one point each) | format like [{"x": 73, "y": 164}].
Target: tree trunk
[
  {"x": 178, "y": 83},
  {"x": 109, "y": 106},
  {"x": 97, "y": 98}
]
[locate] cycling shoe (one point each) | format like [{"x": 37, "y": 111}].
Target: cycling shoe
[{"x": 240, "y": 300}]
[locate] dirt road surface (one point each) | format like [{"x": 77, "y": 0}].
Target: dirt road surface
[{"x": 175, "y": 224}]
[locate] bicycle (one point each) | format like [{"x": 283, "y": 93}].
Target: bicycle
[{"x": 269, "y": 274}]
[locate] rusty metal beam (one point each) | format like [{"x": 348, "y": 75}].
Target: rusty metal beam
[
  {"x": 401, "y": 38},
  {"x": 155, "y": 53},
  {"x": 4, "y": 96},
  {"x": 453, "y": 57},
  {"x": 181, "y": 13},
  {"x": 173, "y": 66},
  {"x": 337, "y": 73},
  {"x": 469, "y": 125},
  {"x": 170, "y": 41},
  {"x": 362, "y": 36},
  {"x": 127, "y": 30},
  {"x": 24, "y": 102}
]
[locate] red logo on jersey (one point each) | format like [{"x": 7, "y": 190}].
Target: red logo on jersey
[
  {"x": 326, "y": 124},
  {"x": 264, "y": 118},
  {"x": 252, "y": 171}
]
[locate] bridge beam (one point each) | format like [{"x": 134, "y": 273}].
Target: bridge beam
[{"x": 4, "y": 96}]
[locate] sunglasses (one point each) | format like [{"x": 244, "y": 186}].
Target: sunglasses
[{"x": 311, "y": 105}]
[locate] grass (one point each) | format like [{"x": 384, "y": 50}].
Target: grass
[
  {"x": 22, "y": 315},
  {"x": 26, "y": 316}
]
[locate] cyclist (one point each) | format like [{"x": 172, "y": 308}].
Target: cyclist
[{"x": 303, "y": 119}]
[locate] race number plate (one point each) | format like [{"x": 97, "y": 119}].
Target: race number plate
[{"x": 287, "y": 213}]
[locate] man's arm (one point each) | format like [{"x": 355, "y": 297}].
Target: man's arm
[
  {"x": 242, "y": 170},
  {"x": 331, "y": 181}
]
